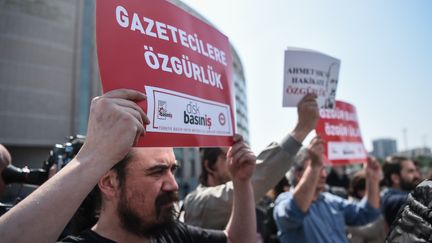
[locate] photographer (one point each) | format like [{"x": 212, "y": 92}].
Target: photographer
[
  {"x": 59, "y": 156},
  {"x": 5, "y": 160}
]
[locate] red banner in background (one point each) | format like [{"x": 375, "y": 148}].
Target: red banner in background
[
  {"x": 340, "y": 130},
  {"x": 181, "y": 63}
]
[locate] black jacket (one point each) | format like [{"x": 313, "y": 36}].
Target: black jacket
[{"x": 414, "y": 220}]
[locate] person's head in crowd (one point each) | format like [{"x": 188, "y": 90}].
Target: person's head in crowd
[
  {"x": 214, "y": 166},
  {"x": 337, "y": 177},
  {"x": 357, "y": 187},
  {"x": 400, "y": 173},
  {"x": 339, "y": 170},
  {"x": 5, "y": 160},
  {"x": 282, "y": 186},
  {"x": 123, "y": 200},
  {"x": 302, "y": 161}
]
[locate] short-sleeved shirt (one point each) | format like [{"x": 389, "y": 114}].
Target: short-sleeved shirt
[{"x": 179, "y": 233}]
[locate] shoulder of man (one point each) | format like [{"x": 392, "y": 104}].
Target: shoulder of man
[
  {"x": 202, "y": 193},
  {"x": 284, "y": 197},
  {"x": 393, "y": 197},
  {"x": 180, "y": 232},
  {"x": 87, "y": 236},
  {"x": 390, "y": 192},
  {"x": 416, "y": 212}
]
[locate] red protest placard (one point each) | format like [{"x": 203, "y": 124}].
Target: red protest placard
[
  {"x": 340, "y": 130},
  {"x": 181, "y": 63}
]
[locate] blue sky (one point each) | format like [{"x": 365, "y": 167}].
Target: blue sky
[{"x": 385, "y": 49}]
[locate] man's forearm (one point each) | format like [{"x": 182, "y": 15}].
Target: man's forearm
[
  {"x": 45, "y": 212},
  {"x": 242, "y": 224},
  {"x": 305, "y": 191},
  {"x": 300, "y": 133},
  {"x": 272, "y": 165},
  {"x": 373, "y": 193}
]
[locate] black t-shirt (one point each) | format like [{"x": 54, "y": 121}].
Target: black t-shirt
[{"x": 179, "y": 233}]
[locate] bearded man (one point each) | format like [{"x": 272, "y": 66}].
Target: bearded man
[
  {"x": 401, "y": 177},
  {"x": 137, "y": 187}
]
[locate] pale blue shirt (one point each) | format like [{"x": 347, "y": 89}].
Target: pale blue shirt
[{"x": 324, "y": 221}]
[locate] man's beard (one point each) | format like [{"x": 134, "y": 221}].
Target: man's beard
[
  {"x": 407, "y": 185},
  {"x": 133, "y": 223}
]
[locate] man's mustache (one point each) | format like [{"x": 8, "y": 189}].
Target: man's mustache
[{"x": 165, "y": 198}]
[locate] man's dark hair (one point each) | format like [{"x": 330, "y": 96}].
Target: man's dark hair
[
  {"x": 357, "y": 184},
  {"x": 392, "y": 165},
  {"x": 211, "y": 155},
  {"x": 280, "y": 187},
  {"x": 88, "y": 213}
]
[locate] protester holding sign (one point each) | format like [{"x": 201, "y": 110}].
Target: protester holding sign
[
  {"x": 307, "y": 214},
  {"x": 137, "y": 187},
  {"x": 210, "y": 203}
]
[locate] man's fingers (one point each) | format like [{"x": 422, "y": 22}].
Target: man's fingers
[
  {"x": 308, "y": 97},
  {"x": 317, "y": 144},
  {"x": 236, "y": 147},
  {"x": 316, "y": 149},
  {"x": 134, "y": 113},
  {"x": 237, "y": 138},
  {"x": 317, "y": 139},
  {"x": 229, "y": 152},
  {"x": 137, "y": 119},
  {"x": 308, "y": 103},
  {"x": 128, "y": 94},
  {"x": 140, "y": 132},
  {"x": 372, "y": 162},
  {"x": 239, "y": 154},
  {"x": 248, "y": 157},
  {"x": 133, "y": 105}
]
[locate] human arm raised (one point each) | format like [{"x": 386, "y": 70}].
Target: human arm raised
[
  {"x": 373, "y": 177},
  {"x": 115, "y": 124},
  {"x": 242, "y": 224},
  {"x": 305, "y": 191},
  {"x": 272, "y": 164},
  {"x": 308, "y": 116},
  {"x": 275, "y": 161}
]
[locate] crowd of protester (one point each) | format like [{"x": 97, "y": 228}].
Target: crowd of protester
[{"x": 112, "y": 191}]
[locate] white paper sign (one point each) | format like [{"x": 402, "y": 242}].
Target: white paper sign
[
  {"x": 174, "y": 112},
  {"x": 308, "y": 71}
]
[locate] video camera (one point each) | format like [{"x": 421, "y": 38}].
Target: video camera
[
  {"x": 12, "y": 174},
  {"x": 59, "y": 156}
]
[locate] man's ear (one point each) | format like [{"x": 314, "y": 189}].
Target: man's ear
[
  {"x": 395, "y": 179},
  {"x": 109, "y": 185},
  {"x": 208, "y": 168}
]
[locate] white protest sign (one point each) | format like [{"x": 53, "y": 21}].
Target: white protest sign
[{"x": 308, "y": 71}]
